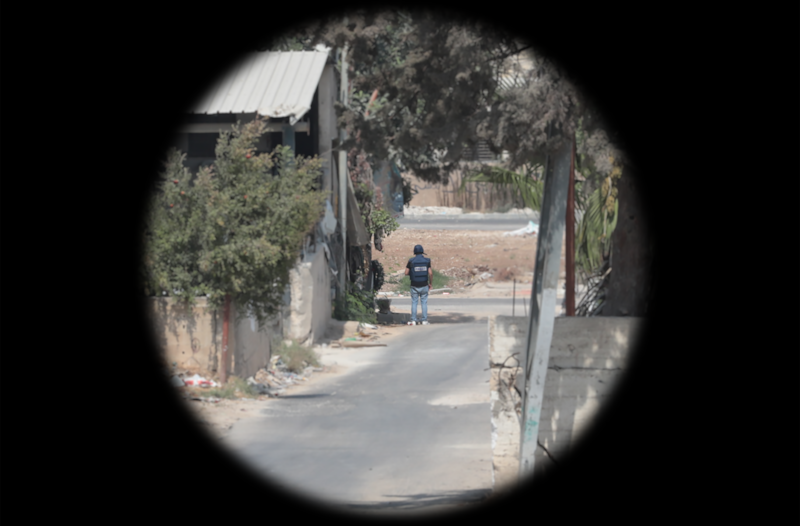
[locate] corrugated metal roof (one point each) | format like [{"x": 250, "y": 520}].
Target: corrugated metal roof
[{"x": 272, "y": 84}]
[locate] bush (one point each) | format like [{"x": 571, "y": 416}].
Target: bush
[
  {"x": 359, "y": 307},
  {"x": 233, "y": 229},
  {"x": 379, "y": 275}
]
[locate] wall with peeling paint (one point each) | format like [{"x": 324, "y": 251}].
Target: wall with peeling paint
[
  {"x": 310, "y": 300},
  {"x": 192, "y": 338},
  {"x": 587, "y": 357},
  {"x": 251, "y": 346}
]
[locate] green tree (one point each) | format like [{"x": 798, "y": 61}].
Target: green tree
[
  {"x": 443, "y": 85},
  {"x": 596, "y": 205},
  {"x": 445, "y": 82},
  {"x": 236, "y": 228}
]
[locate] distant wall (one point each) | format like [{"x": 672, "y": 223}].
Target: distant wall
[
  {"x": 587, "y": 356},
  {"x": 481, "y": 197}
]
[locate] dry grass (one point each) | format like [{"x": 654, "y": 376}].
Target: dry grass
[
  {"x": 233, "y": 389},
  {"x": 296, "y": 357},
  {"x": 506, "y": 274}
]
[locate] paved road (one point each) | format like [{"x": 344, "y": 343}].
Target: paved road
[
  {"x": 477, "y": 308},
  {"x": 455, "y": 222},
  {"x": 407, "y": 427}
]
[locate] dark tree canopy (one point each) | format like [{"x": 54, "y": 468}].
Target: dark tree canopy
[{"x": 446, "y": 82}]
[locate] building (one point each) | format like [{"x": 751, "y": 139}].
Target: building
[{"x": 295, "y": 91}]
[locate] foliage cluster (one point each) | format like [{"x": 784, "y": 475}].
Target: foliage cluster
[
  {"x": 359, "y": 306},
  {"x": 595, "y": 201},
  {"x": 379, "y": 275},
  {"x": 527, "y": 184},
  {"x": 236, "y": 228},
  {"x": 443, "y": 83}
]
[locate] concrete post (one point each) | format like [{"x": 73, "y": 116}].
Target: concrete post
[
  {"x": 543, "y": 299},
  {"x": 226, "y": 313},
  {"x": 343, "y": 186},
  {"x": 569, "y": 299},
  {"x": 288, "y": 136}
]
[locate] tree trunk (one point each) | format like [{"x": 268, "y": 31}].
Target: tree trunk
[{"x": 630, "y": 282}]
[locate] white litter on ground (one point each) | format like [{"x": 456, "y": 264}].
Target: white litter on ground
[
  {"x": 432, "y": 210},
  {"x": 532, "y": 228}
]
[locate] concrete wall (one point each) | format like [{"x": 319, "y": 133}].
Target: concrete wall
[
  {"x": 310, "y": 304},
  {"x": 327, "y": 132},
  {"x": 587, "y": 356},
  {"x": 251, "y": 346},
  {"x": 630, "y": 286},
  {"x": 430, "y": 194},
  {"x": 193, "y": 338},
  {"x": 187, "y": 337}
]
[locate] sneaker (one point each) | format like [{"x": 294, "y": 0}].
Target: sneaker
[
  {"x": 412, "y": 323},
  {"x": 425, "y": 323}
]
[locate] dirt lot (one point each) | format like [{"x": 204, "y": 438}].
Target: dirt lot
[{"x": 463, "y": 255}]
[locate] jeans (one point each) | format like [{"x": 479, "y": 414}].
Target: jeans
[{"x": 419, "y": 293}]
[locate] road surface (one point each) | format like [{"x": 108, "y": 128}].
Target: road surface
[
  {"x": 478, "y": 308},
  {"x": 455, "y": 222},
  {"x": 405, "y": 427}
]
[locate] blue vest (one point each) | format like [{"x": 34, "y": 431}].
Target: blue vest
[{"x": 419, "y": 268}]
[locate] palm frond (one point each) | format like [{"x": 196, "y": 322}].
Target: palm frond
[
  {"x": 592, "y": 243},
  {"x": 528, "y": 189}
]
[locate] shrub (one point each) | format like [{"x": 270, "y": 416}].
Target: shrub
[
  {"x": 359, "y": 307},
  {"x": 235, "y": 228}
]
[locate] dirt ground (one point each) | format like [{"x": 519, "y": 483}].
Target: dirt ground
[
  {"x": 464, "y": 256},
  {"x": 219, "y": 416}
]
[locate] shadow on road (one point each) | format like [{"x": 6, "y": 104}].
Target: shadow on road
[
  {"x": 455, "y": 318},
  {"x": 317, "y": 395},
  {"x": 421, "y": 501}
]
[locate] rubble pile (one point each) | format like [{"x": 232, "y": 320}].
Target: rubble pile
[
  {"x": 465, "y": 276},
  {"x": 271, "y": 381},
  {"x": 365, "y": 335},
  {"x": 274, "y": 379},
  {"x": 182, "y": 379}
]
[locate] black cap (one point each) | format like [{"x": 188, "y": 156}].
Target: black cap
[{"x": 418, "y": 249}]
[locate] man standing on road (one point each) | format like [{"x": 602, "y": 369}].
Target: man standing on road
[{"x": 421, "y": 274}]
